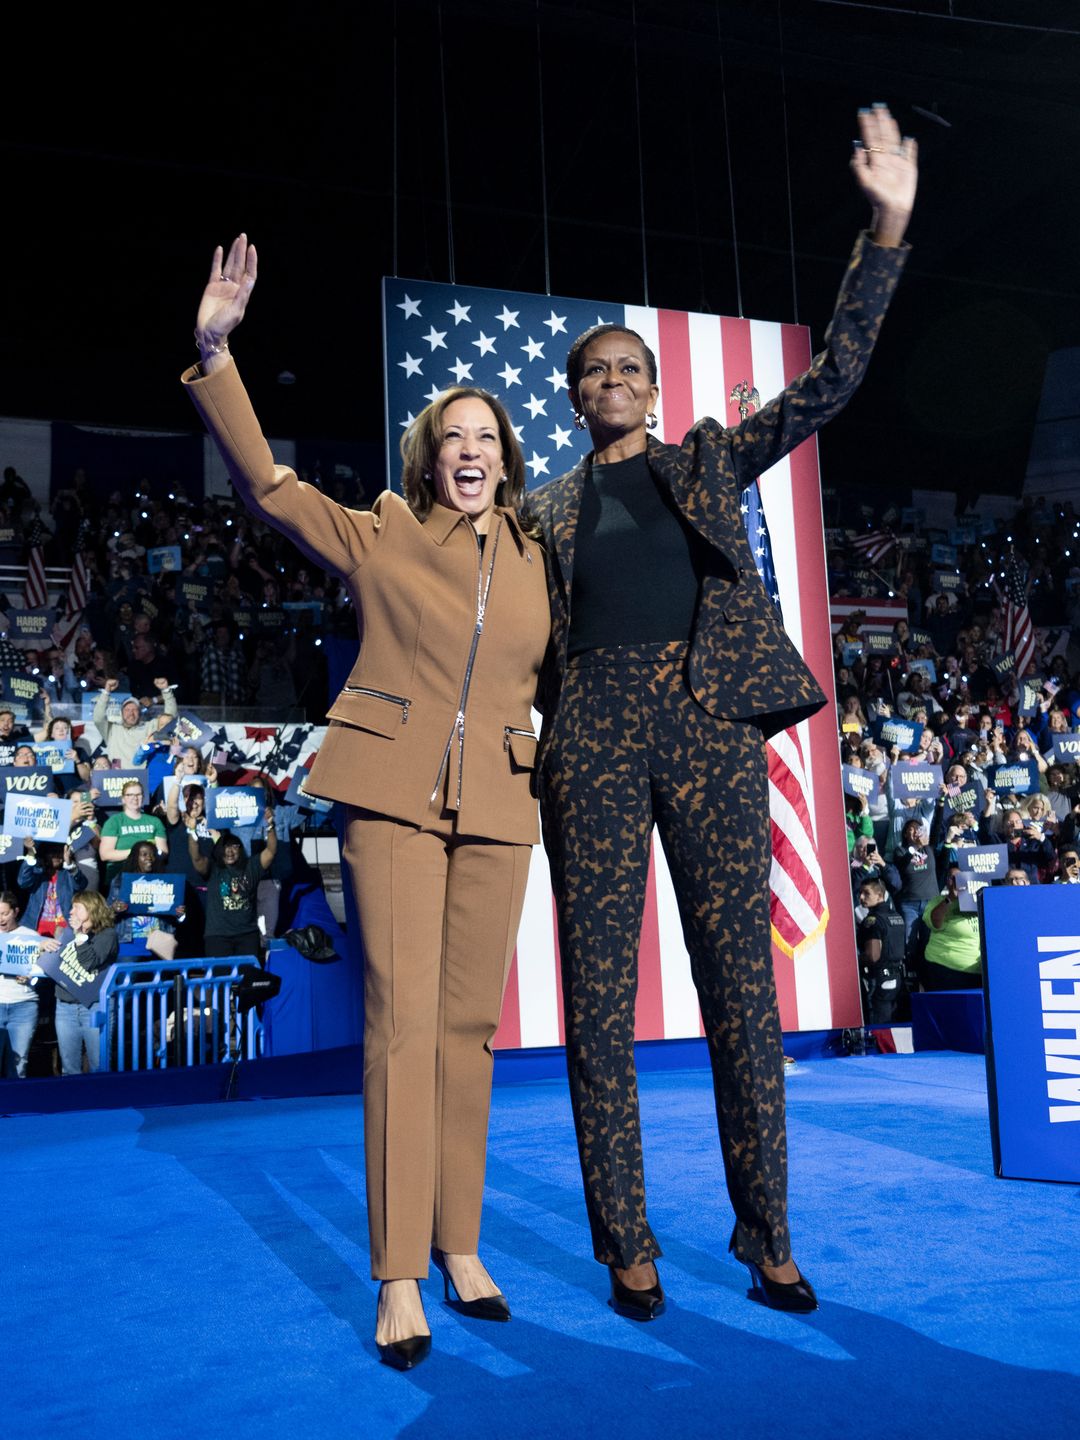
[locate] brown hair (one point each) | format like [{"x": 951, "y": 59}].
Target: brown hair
[
  {"x": 96, "y": 906},
  {"x": 422, "y": 441}
]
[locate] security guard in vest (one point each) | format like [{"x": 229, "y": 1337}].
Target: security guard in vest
[{"x": 880, "y": 940}]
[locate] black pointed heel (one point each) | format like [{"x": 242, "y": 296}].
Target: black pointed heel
[
  {"x": 488, "y": 1307},
  {"x": 797, "y": 1297},
  {"x": 636, "y": 1304},
  {"x": 405, "y": 1354}
]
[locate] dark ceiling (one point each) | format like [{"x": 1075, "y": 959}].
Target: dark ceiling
[{"x": 131, "y": 150}]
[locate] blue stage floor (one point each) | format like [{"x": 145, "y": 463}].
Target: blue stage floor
[{"x": 203, "y": 1271}]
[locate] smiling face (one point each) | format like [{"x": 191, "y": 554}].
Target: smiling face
[
  {"x": 469, "y": 465},
  {"x": 614, "y": 392}
]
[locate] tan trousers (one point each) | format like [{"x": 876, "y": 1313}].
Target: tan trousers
[{"x": 439, "y": 915}]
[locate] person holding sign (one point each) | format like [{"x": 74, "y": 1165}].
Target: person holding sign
[
  {"x": 158, "y": 931},
  {"x": 431, "y": 749},
  {"x": 89, "y": 941},
  {"x": 129, "y": 824},
  {"x": 50, "y": 881},
  {"x": 232, "y": 882},
  {"x": 18, "y": 998}
]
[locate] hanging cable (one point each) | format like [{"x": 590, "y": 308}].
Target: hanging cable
[
  {"x": 394, "y": 152},
  {"x": 787, "y": 161},
  {"x": 730, "y": 171},
  {"x": 446, "y": 156},
  {"x": 640, "y": 158},
  {"x": 543, "y": 155}
]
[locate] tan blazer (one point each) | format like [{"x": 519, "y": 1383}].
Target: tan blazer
[{"x": 415, "y": 715}]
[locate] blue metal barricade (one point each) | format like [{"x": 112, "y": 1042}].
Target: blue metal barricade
[{"x": 158, "y": 1015}]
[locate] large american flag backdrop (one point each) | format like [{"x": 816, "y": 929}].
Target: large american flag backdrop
[{"x": 515, "y": 345}]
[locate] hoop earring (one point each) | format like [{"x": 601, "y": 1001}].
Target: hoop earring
[
  {"x": 579, "y": 421},
  {"x": 651, "y": 421}
]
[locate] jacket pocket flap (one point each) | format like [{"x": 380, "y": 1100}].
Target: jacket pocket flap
[
  {"x": 368, "y": 712},
  {"x": 522, "y": 749}
]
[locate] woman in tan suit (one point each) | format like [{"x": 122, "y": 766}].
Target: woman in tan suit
[{"x": 431, "y": 749}]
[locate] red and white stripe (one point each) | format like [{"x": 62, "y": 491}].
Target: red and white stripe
[
  {"x": 881, "y": 614},
  {"x": 36, "y": 593},
  {"x": 78, "y": 589},
  {"x": 701, "y": 358}
]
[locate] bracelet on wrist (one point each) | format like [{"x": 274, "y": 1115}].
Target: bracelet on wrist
[{"x": 210, "y": 347}]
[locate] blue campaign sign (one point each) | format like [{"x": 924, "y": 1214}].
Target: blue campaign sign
[
  {"x": 163, "y": 557},
  {"x": 237, "y": 807},
  {"x": 928, "y": 668},
  {"x": 64, "y": 967},
  {"x": 904, "y": 734},
  {"x": 1031, "y": 949},
  {"x": 1067, "y": 748},
  {"x": 153, "y": 894},
  {"x": 879, "y": 642},
  {"x": 989, "y": 861},
  {"x": 861, "y": 783},
  {"x": 25, "y": 780},
  {"x": 19, "y": 952},
  {"x": 297, "y": 795},
  {"x": 109, "y": 785},
  {"x": 22, "y": 690},
  {"x": 54, "y": 755},
  {"x": 46, "y": 820},
  {"x": 33, "y": 626},
  {"x": 1030, "y": 695},
  {"x": 1018, "y": 777},
  {"x": 187, "y": 730},
  {"x": 961, "y": 798},
  {"x": 916, "y": 782}
]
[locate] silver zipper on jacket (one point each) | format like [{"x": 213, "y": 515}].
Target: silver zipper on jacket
[
  {"x": 482, "y": 590},
  {"x": 382, "y": 695},
  {"x": 509, "y": 730}
]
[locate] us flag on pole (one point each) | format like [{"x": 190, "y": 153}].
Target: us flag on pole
[
  {"x": 1019, "y": 634},
  {"x": 514, "y": 345},
  {"x": 36, "y": 593}
]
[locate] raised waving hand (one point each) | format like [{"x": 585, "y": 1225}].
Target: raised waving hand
[
  {"x": 886, "y": 168},
  {"x": 228, "y": 290}
]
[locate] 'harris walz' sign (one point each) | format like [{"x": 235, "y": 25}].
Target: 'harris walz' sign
[
  {"x": 65, "y": 967},
  {"x": 863, "y": 784},
  {"x": 1032, "y": 965},
  {"x": 961, "y": 798},
  {"x": 916, "y": 782},
  {"x": 33, "y": 627}
]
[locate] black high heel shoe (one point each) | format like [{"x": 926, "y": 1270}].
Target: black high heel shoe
[
  {"x": 488, "y": 1307},
  {"x": 636, "y": 1304},
  {"x": 797, "y": 1296},
  {"x": 405, "y": 1354}
]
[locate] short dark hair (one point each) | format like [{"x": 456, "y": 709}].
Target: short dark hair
[{"x": 573, "y": 355}]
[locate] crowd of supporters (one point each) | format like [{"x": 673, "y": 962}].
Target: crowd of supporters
[
  {"x": 979, "y": 665},
  {"x": 187, "y": 606},
  {"x": 198, "y": 591}
]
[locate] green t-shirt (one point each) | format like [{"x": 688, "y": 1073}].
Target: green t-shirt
[
  {"x": 956, "y": 945},
  {"x": 125, "y": 831}
]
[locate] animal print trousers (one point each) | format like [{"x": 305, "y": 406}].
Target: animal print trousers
[{"x": 633, "y": 749}]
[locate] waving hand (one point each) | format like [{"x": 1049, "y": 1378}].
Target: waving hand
[{"x": 228, "y": 290}]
